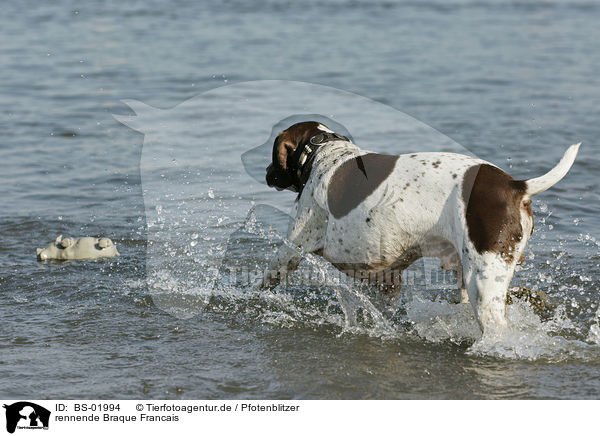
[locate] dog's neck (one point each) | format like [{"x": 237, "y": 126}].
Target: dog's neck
[{"x": 304, "y": 155}]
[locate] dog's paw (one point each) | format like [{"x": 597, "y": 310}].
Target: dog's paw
[
  {"x": 538, "y": 300},
  {"x": 270, "y": 280}
]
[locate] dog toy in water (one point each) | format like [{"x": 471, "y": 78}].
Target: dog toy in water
[{"x": 78, "y": 249}]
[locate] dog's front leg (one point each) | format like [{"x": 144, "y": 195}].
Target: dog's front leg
[
  {"x": 305, "y": 235},
  {"x": 285, "y": 262},
  {"x": 487, "y": 277}
]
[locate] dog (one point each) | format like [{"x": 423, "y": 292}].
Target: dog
[{"x": 372, "y": 214}]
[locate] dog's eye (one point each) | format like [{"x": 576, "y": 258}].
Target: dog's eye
[{"x": 527, "y": 203}]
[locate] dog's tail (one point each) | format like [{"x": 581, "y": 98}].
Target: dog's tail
[{"x": 540, "y": 184}]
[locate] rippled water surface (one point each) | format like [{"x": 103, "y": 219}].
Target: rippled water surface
[{"x": 179, "y": 189}]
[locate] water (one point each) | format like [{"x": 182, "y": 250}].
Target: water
[{"x": 512, "y": 82}]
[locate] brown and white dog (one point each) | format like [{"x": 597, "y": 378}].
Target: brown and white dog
[{"x": 373, "y": 214}]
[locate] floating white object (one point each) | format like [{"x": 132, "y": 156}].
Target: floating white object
[{"x": 82, "y": 248}]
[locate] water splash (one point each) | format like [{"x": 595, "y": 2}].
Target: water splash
[{"x": 202, "y": 256}]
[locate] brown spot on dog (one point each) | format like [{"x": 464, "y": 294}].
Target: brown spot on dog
[
  {"x": 493, "y": 209},
  {"x": 356, "y": 179}
]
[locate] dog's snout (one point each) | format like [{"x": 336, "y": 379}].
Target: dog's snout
[{"x": 277, "y": 179}]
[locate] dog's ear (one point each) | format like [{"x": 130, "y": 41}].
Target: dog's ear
[
  {"x": 282, "y": 150},
  {"x": 278, "y": 174}
]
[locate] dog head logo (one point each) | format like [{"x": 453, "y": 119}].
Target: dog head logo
[
  {"x": 26, "y": 415},
  {"x": 197, "y": 192}
]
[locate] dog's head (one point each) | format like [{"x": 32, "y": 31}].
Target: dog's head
[{"x": 281, "y": 173}]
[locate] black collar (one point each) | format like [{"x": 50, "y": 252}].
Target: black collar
[{"x": 304, "y": 155}]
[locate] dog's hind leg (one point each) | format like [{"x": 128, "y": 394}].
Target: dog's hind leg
[{"x": 463, "y": 294}]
